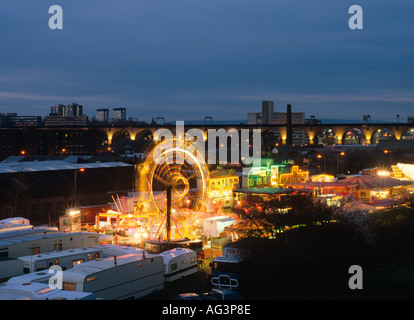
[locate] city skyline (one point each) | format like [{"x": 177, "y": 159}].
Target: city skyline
[{"x": 187, "y": 61}]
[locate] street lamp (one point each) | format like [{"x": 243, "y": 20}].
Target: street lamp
[
  {"x": 337, "y": 160},
  {"x": 324, "y": 162},
  {"x": 390, "y": 152}
]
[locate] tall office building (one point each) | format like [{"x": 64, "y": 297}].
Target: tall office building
[
  {"x": 74, "y": 110},
  {"x": 58, "y": 110},
  {"x": 267, "y": 110},
  {"x": 102, "y": 115},
  {"x": 70, "y": 115},
  {"x": 71, "y": 110},
  {"x": 119, "y": 114}
]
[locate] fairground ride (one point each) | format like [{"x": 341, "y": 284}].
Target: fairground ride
[{"x": 174, "y": 177}]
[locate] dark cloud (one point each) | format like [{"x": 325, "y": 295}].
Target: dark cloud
[{"x": 186, "y": 59}]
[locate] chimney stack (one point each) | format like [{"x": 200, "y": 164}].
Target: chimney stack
[{"x": 289, "y": 125}]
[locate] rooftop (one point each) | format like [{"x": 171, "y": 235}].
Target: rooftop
[
  {"x": 24, "y": 235},
  {"x": 50, "y": 165},
  {"x": 404, "y": 144}
]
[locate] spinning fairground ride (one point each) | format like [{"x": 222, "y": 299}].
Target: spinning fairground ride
[{"x": 173, "y": 188}]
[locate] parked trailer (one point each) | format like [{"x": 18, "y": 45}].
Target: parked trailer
[
  {"x": 42, "y": 276},
  {"x": 113, "y": 250},
  {"x": 195, "y": 244},
  {"x": 10, "y": 267},
  {"x": 66, "y": 259},
  {"x": 40, "y": 291},
  {"x": 179, "y": 262},
  {"x": 214, "y": 226},
  {"x": 19, "y": 243},
  {"x": 16, "y": 223},
  {"x": 130, "y": 276}
]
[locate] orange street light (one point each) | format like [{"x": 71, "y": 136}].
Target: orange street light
[
  {"x": 390, "y": 152},
  {"x": 319, "y": 156},
  {"x": 337, "y": 160}
]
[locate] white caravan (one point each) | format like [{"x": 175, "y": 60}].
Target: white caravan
[
  {"x": 19, "y": 243},
  {"x": 40, "y": 291},
  {"x": 130, "y": 276},
  {"x": 113, "y": 250},
  {"x": 66, "y": 259},
  {"x": 179, "y": 262}
]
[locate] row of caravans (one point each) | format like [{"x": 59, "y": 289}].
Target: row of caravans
[
  {"x": 19, "y": 240},
  {"x": 67, "y": 259},
  {"x": 119, "y": 272},
  {"x": 130, "y": 276},
  {"x": 35, "y": 240},
  {"x": 178, "y": 262},
  {"x": 102, "y": 271}
]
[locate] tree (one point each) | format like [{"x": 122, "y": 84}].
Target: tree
[{"x": 278, "y": 216}]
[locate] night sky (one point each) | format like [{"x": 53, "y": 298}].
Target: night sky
[{"x": 188, "y": 59}]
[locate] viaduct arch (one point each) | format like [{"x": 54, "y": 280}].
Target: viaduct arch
[{"x": 312, "y": 131}]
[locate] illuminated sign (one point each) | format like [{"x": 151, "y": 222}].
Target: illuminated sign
[
  {"x": 295, "y": 176},
  {"x": 263, "y": 177}
]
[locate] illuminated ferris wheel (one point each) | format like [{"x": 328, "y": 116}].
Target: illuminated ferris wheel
[{"x": 181, "y": 169}]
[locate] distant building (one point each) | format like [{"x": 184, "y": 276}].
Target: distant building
[
  {"x": 74, "y": 110},
  {"x": 58, "y": 110},
  {"x": 70, "y": 115},
  {"x": 102, "y": 115},
  {"x": 119, "y": 114},
  {"x": 56, "y": 121},
  {"x": 312, "y": 120},
  {"x": 13, "y": 120},
  {"x": 267, "y": 111},
  {"x": 410, "y": 119},
  {"x": 268, "y": 116},
  {"x": 71, "y": 110}
]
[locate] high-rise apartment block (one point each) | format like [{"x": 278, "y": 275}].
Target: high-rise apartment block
[
  {"x": 74, "y": 110},
  {"x": 102, "y": 115},
  {"x": 119, "y": 114},
  {"x": 70, "y": 115},
  {"x": 71, "y": 110}
]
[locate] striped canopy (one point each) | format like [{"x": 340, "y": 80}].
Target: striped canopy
[
  {"x": 374, "y": 182},
  {"x": 357, "y": 206}
]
